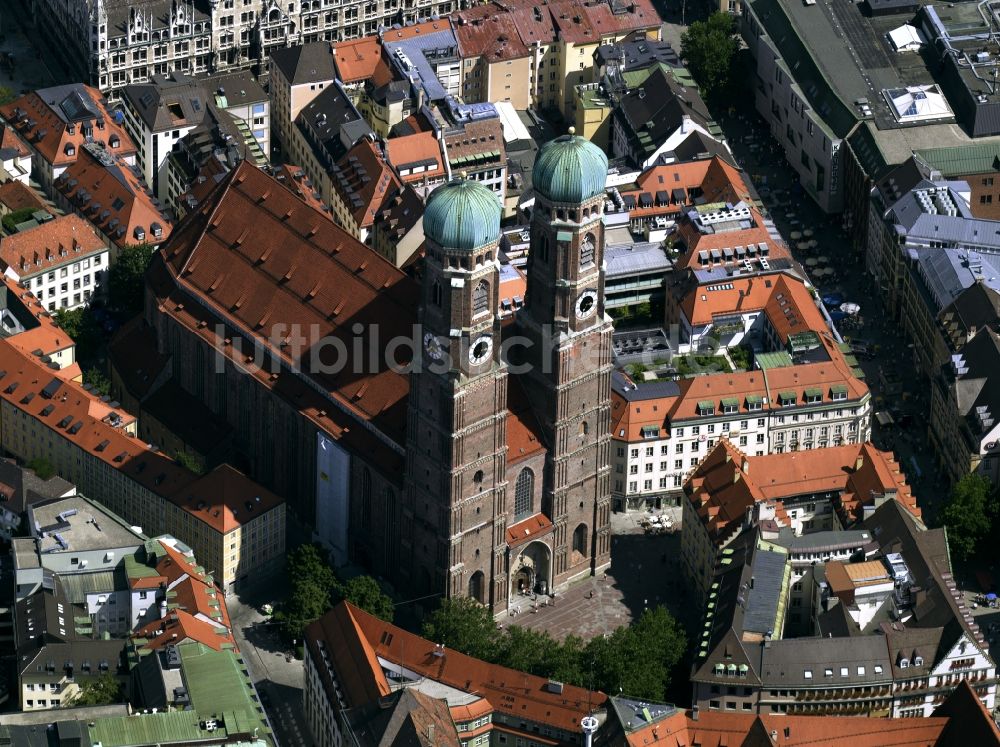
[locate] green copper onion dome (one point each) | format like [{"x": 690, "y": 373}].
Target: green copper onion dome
[
  {"x": 462, "y": 215},
  {"x": 570, "y": 169}
]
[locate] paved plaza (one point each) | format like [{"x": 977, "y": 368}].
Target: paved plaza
[{"x": 645, "y": 572}]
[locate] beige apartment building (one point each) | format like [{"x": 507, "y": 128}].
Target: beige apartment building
[
  {"x": 231, "y": 522},
  {"x": 549, "y": 45}
]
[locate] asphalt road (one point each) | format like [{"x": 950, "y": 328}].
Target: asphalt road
[
  {"x": 277, "y": 675},
  {"x": 755, "y": 151}
]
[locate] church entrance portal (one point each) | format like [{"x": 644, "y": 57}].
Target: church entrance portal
[{"x": 532, "y": 570}]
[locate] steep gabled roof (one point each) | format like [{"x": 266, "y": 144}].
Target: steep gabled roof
[
  {"x": 305, "y": 63},
  {"x": 365, "y": 182},
  {"x": 291, "y": 265},
  {"x": 356, "y": 641},
  {"x": 968, "y": 720},
  {"x": 57, "y": 121}
]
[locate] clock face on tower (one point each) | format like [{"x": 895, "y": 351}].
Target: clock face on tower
[
  {"x": 586, "y": 304},
  {"x": 433, "y": 346},
  {"x": 480, "y": 349}
]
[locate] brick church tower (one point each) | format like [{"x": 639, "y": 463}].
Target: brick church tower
[
  {"x": 479, "y": 521},
  {"x": 455, "y": 514},
  {"x": 570, "y": 363}
]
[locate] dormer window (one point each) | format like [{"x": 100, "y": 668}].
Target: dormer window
[
  {"x": 787, "y": 399},
  {"x": 730, "y": 406},
  {"x": 114, "y": 141},
  {"x": 755, "y": 403},
  {"x": 838, "y": 393},
  {"x": 706, "y": 407},
  {"x": 814, "y": 395},
  {"x": 140, "y": 233}
]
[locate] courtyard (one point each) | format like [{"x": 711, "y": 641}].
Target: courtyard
[{"x": 645, "y": 572}]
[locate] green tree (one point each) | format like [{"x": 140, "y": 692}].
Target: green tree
[
  {"x": 6, "y": 95},
  {"x": 709, "y": 48},
  {"x": 102, "y": 690},
  {"x": 98, "y": 381},
  {"x": 41, "y": 467},
  {"x": 637, "y": 661},
  {"x": 536, "y": 652},
  {"x": 126, "y": 279},
  {"x": 969, "y": 515},
  {"x": 464, "y": 625},
  {"x": 310, "y": 581},
  {"x": 17, "y": 216},
  {"x": 82, "y": 327},
  {"x": 365, "y": 592}
]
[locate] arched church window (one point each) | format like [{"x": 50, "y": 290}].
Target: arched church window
[
  {"x": 587, "y": 250},
  {"x": 436, "y": 293},
  {"x": 481, "y": 298},
  {"x": 524, "y": 490}
]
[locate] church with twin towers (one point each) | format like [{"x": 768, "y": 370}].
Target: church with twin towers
[{"x": 507, "y": 484}]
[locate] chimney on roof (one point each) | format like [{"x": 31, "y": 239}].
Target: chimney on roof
[
  {"x": 430, "y": 733},
  {"x": 859, "y": 462},
  {"x": 694, "y": 713},
  {"x": 746, "y": 465}
]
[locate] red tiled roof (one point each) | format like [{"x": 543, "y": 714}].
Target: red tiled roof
[
  {"x": 225, "y": 498},
  {"x": 413, "y": 30},
  {"x": 359, "y": 675},
  {"x": 61, "y": 241},
  {"x": 17, "y": 196},
  {"x": 113, "y": 197},
  {"x": 420, "y": 148},
  {"x": 47, "y": 337},
  {"x": 179, "y": 626},
  {"x": 514, "y": 693},
  {"x": 357, "y": 59},
  {"x": 296, "y": 180},
  {"x": 10, "y": 140},
  {"x": 629, "y": 418},
  {"x": 72, "y": 406},
  {"x": 507, "y": 30},
  {"x": 369, "y": 182},
  {"x": 748, "y": 730},
  {"x": 529, "y": 529},
  {"x": 523, "y": 434},
  {"x": 727, "y": 481},
  {"x": 695, "y": 241},
  {"x": 299, "y": 269},
  {"x": 705, "y": 181},
  {"x": 37, "y": 122}
]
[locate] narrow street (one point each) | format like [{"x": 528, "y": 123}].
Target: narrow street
[
  {"x": 277, "y": 675},
  {"x": 795, "y": 213}
]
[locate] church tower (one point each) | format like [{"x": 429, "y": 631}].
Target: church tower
[
  {"x": 454, "y": 516},
  {"x": 569, "y": 358}
]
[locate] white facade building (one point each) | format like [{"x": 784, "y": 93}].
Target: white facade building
[{"x": 113, "y": 44}]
